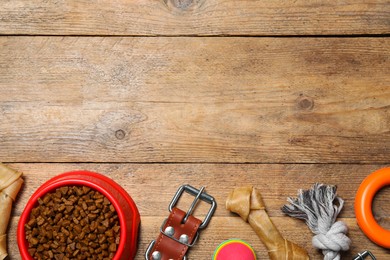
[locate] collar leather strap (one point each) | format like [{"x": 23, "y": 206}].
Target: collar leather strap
[
  {"x": 174, "y": 242},
  {"x": 181, "y": 229}
]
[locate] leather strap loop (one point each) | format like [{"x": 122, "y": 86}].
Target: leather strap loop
[{"x": 170, "y": 248}]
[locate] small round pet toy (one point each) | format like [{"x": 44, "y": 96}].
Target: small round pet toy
[
  {"x": 234, "y": 249},
  {"x": 363, "y": 203}
]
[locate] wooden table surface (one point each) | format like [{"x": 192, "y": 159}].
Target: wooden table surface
[{"x": 155, "y": 94}]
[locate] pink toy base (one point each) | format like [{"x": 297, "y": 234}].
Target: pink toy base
[{"x": 234, "y": 250}]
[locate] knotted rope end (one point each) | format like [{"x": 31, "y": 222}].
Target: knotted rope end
[{"x": 319, "y": 207}]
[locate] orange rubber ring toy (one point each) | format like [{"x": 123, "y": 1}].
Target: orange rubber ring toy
[{"x": 363, "y": 203}]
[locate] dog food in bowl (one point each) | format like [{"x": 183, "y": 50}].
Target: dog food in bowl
[
  {"x": 73, "y": 222},
  {"x": 98, "y": 202}
]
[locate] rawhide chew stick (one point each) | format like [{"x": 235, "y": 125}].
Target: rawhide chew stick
[
  {"x": 10, "y": 184},
  {"x": 247, "y": 202}
]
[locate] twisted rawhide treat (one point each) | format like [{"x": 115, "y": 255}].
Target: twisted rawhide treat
[
  {"x": 10, "y": 184},
  {"x": 247, "y": 202}
]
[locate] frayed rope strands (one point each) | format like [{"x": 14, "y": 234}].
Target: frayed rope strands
[{"x": 319, "y": 207}]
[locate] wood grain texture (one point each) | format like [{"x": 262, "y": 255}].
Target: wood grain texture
[
  {"x": 154, "y": 113},
  {"x": 153, "y": 185},
  {"x": 194, "y": 17},
  {"x": 223, "y": 228},
  {"x": 273, "y": 100}
]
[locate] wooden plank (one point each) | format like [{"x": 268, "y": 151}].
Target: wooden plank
[
  {"x": 194, "y": 17},
  {"x": 160, "y": 181},
  {"x": 180, "y": 99},
  {"x": 222, "y": 228},
  {"x": 152, "y": 187}
]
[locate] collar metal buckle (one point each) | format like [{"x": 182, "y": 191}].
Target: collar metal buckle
[
  {"x": 363, "y": 255},
  {"x": 199, "y": 195}
]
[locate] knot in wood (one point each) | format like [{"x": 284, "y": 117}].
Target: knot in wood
[
  {"x": 120, "y": 134},
  {"x": 305, "y": 103},
  {"x": 183, "y": 5}
]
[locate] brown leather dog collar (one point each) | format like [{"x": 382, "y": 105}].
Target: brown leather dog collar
[{"x": 180, "y": 230}]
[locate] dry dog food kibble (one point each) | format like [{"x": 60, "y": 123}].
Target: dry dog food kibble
[{"x": 74, "y": 222}]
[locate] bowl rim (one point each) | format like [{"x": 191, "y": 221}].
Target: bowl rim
[{"x": 57, "y": 182}]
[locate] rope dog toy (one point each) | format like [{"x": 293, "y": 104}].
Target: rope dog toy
[{"x": 319, "y": 207}]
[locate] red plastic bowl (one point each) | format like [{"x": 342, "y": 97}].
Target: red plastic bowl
[{"x": 125, "y": 207}]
